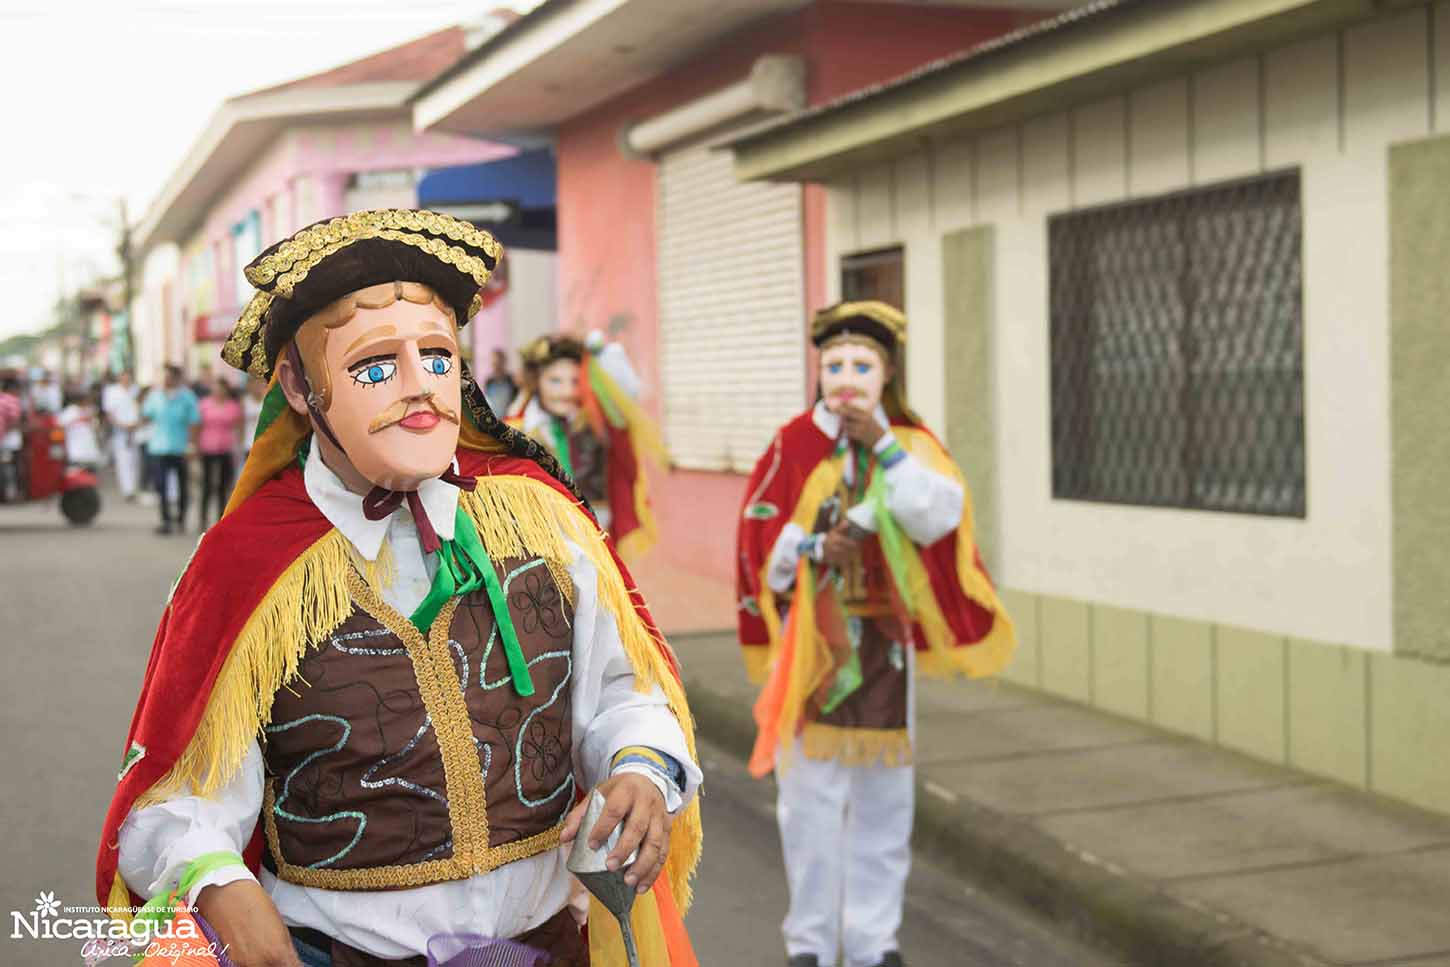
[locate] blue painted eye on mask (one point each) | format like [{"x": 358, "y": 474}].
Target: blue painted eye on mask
[
  {"x": 833, "y": 368},
  {"x": 863, "y": 368},
  {"x": 379, "y": 372}
]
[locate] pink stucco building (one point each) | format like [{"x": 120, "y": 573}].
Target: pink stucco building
[{"x": 272, "y": 161}]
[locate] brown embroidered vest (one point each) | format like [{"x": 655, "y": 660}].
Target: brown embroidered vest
[{"x": 395, "y": 759}]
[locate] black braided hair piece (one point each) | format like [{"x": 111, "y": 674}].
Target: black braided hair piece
[{"x": 516, "y": 443}]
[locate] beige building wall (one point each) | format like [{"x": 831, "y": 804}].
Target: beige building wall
[
  {"x": 1273, "y": 636},
  {"x": 1330, "y": 106}
]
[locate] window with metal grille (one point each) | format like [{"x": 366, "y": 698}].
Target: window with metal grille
[{"x": 1177, "y": 350}]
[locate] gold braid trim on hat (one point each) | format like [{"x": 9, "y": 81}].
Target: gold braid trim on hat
[
  {"x": 451, "y": 254},
  {"x": 536, "y": 352},
  {"x": 245, "y": 335},
  {"x": 888, "y": 316},
  {"x": 368, "y": 224}
]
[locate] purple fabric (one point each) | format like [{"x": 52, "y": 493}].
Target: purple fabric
[
  {"x": 475, "y": 950},
  {"x": 206, "y": 931}
]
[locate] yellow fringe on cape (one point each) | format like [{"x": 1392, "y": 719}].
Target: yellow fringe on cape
[
  {"x": 942, "y": 657},
  {"x": 515, "y": 516},
  {"x": 305, "y": 604},
  {"x": 856, "y": 747}
]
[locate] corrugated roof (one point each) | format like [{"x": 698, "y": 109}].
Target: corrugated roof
[{"x": 507, "y": 34}]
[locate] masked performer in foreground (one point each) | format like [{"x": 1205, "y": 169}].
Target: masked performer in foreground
[
  {"x": 389, "y": 672},
  {"x": 579, "y": 402},
  {"x": 857, "y": 567}
]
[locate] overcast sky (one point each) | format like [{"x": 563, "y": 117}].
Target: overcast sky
[{"x": 102, "y": 99}]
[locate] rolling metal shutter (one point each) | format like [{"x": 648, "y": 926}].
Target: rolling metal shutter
[{"x": 732, "y": 310}]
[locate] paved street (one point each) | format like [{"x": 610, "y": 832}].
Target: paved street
[
  {"x": 741, "y": 895},
  {"x": 79, "y": 608}
]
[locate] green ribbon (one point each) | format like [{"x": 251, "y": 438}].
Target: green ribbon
[
  {"x": 561, "y": 444},
  {"x": 159, "y": 910},
  {"x": 894, "y": 548},
  {"x": 848, "y": 676},
  {"x": 464, "y": 567},
  {"x": 894, "y": 542},
  {"x": 272, "y": 406}
]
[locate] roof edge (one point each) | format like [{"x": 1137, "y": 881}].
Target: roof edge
[
  {"x": 535, "y": 16},
  {"x": 1079, "y": 56},
  {"x": 274, "y": 108}
]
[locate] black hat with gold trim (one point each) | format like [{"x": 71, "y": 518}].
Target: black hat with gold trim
[
  {"x": 325, "y": 261},
  {"x": 551, "y": 348},
  {"x": 883, "y": 326},
  {"x": 881, "y": 323},
  {"x": 301, "y": 275}
]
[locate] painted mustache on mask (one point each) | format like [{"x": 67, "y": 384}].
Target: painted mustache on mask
[
  {"x": 397, "y": 411},
  {"x": 845, "y": 396}
]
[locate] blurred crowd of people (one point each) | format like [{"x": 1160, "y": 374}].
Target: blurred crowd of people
[{"x": 162, "y": 441}]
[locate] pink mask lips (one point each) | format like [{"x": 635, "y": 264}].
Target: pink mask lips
[{"x": 422, "y": 420}]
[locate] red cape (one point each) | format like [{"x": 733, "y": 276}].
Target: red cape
[
  {"x": 771, "y": 497},
  {"x": 234, "y": 566}
]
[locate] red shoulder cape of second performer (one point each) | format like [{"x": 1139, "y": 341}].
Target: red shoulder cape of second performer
[{"x": 958, "y": 580}]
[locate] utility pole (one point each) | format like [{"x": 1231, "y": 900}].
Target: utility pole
[{"x": 124, "y": 253}]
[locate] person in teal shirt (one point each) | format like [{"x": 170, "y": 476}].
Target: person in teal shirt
[{"x": 174, "y": 418}]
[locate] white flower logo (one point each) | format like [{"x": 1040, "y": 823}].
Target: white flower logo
[{"x": 47, "y": 905}]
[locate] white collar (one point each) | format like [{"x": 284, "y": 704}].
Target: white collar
[
  {"x": 343, "y": 508},
  {"x": 830, "y": 423}
]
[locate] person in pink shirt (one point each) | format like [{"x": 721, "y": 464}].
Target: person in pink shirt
[{"x": 221, "y": 424}]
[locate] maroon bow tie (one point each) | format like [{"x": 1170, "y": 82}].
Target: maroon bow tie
[{"x": 380, "y": 502}]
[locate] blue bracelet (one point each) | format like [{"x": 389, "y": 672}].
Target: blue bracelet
[
  {"x": 658, "y": 762},
  {"x": 891, "y": 456}
]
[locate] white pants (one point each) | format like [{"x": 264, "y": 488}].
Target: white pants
[
  {"x": 846, "y": 834},
  {"x": 128, "y": 462}
]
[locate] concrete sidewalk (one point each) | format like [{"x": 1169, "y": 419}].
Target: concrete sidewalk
[{"x": 1163, "y": 848}]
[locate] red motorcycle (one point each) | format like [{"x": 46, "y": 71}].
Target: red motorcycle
[{"x": 38, "y": 471}]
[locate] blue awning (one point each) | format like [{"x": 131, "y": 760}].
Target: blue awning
[
  {"x": 526, "y": 180},
  {"x": 512, "y": 198}
]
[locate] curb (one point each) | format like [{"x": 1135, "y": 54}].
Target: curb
[{"x": 1088, "y": 897}]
